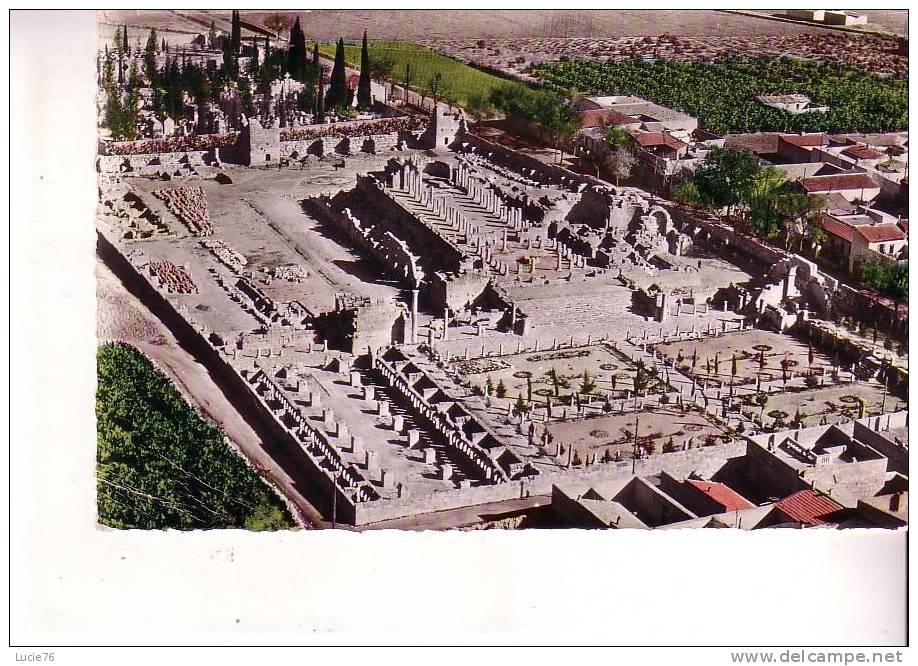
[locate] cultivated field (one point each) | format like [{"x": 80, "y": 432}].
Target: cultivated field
[
  {"x": 458, "y": 81},
  {"x": 722, "y": 95}
]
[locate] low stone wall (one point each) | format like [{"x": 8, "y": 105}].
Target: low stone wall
[
  {"x": 154, "y": 162},
  {"x": 306, "y": 475},
  {"x": 423, "y": 241},
  {"x": 547, "y": 173},
  {"x": 389, "y": 252},
  {"x": 456, "y": 290},
  {"x": 370, "y": 144},
  {"x": 705, "y": 460}
]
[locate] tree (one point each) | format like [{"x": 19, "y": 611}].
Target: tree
[
  {"x": 150, "y": 68},
  {"x": 733, "y": 368},
  {"x": 620, "y": 163},
  {"x": 296, "y": 53},
  {"x": 727, "y": 178},
  {"x": 489, "y": 386},
  {"x": 364, "y": 95},
  {"x": 640, "y": 376},
  {"x": 319, "y": 116},
  {"x": 521, "y": 407},
  {"x": 434, "y": 86},
  {"x": 337, "y": 83},
  {"x": 564, "y": 123},
  {"x": 407, "y": 80},
  {"x": 230, "y": 62},
  {"x": 236, "y": 33},
  {"x": 501, "y": 390},
  {"x": 160, "y": 465},
  {"x": 617, "y": 138},
  {"x": 253, "y": 63},
  {"x": 555, "y": 381}
]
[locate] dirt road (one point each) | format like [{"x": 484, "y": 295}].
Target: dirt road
[{"x": 122, "y": 317}]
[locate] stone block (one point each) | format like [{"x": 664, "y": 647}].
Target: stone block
[
  {"x": 398, "y": 423},
  {"x": 414, "y": 438}
]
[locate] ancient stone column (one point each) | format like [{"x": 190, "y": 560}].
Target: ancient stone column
[{"x": 414, "y": 316}]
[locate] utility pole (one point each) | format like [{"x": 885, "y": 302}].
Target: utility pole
[{"x": 634, "y": 453}]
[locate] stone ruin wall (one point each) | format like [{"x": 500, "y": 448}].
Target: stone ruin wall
[
  {"x": 456, "y": 290},
  {"x": 705, "y": 461},
  {"x": 547, "y": 173},
  {"x": 153, "y": 163},
  {"x": 389, "y": 252},
  {"x": 422, "y": 241}
]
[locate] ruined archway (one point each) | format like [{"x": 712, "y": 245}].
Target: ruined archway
[{"x": 662, "y": 219}]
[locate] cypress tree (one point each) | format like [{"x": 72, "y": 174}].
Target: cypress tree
[
  {"x": 124, "y": 37},
  {"x": 315, "y": 57},
  {"x": 320, "y": 99},
  {"x": 337, "y": 85},
  {"x": 165, "y": 47},
  {"x": 253, "y": 63},
  {"x": 296, "y": 55},
  {"x": 363, "y": 87},
  {"x": 149, "y": 58},
  {"x": 236, "y": 33},
  {"x": 230, "y": 62}
]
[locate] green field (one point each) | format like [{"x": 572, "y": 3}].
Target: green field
[
  {"x": 460, "y": 83},
  {"x": 160, "y": 465},
  {"x": 722, "y": 95}
]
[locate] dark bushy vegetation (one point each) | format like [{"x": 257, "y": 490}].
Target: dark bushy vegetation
[
  {"x": 160, "y": 465},
  {"x": 722, "y": 95},
  {"x": 887, "y": 278}
]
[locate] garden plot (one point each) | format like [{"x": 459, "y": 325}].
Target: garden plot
[
  {"x": 831, "y": 404},
  {"x": 611, "y": 437},
  {"x": 560, "y": 375},
  {"x": 742, "y": 358}
]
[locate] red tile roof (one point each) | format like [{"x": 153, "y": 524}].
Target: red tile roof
[
  {"x": 597, "y": 117},
  {"x": 837, "y": 228},
  {"x": 881, "y": 233},
  {"x": 862, "y": 153},
  {"x": 724, "y": 495},
  {"x": 838, "y": 182},
  {"x": 807, "y": 506},
  {"x": 652, "y": 139},
  {"x": 805, "y": 140},
  {"x": 903, "y": 224}
]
